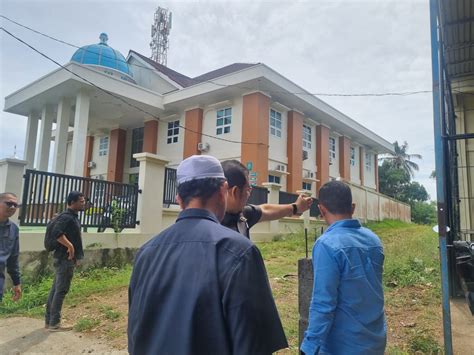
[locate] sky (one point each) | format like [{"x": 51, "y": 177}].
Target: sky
[{"x": 326, "y": 47}]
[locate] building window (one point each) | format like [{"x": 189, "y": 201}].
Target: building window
[
  {"x": 137, "y": 145},
  {"x": 274, "y": 179},
  {"x": 103, "y": 146},
  {"x": 306, "y": 137},
  {"x": 275, "y": 123},
  {"x": 332, "y": 149},
  {"x": 224, "y": 120},
  {"x": 173, "y": 132},
  {"x": 368, "y": 161},
  {"x": 307, "y": 186},
  {"x": 353, "y": 156}
]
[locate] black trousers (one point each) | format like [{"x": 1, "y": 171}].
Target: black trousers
[{"x": 64, "y": 271}]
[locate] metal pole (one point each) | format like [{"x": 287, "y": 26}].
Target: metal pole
[{"x": 440, "y": 174}]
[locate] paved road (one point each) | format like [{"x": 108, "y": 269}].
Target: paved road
[{"x": 27, "y": 336}]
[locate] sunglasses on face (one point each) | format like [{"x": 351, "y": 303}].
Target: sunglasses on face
[{"x": 12, "y": 204}]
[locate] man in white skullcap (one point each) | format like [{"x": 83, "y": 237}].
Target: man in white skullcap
[{"x": 199, "y": 287}]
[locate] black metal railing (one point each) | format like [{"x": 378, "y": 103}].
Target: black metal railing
[
  {"x": 287, "y": 197},
  {"x": 171, "y": 187},
  {"x": 258, "y": 196},
  {"x": 109, "y": 204}
]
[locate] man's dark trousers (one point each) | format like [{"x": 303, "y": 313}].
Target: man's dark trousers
[{"x": 64, "y": 270}]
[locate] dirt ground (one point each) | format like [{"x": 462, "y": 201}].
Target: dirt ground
[
  {"x": 28, "y": 336},
  {"x": 104, "y": 323}
]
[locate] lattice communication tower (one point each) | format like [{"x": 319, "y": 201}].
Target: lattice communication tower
[{"x": 160, "y": 31}]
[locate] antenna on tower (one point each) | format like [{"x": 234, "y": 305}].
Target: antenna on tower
[{"x": 160, "y": 31}]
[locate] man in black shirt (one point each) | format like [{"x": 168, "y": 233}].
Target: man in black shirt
[
  {"x": 240, "y": 216},
  {"x": 199, "y": 287},
  {"x": 67, "y": 231}
]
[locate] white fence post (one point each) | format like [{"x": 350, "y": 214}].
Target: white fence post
[
  {"x": 151, "y": 180},
  {"x": 11, "y": 178}
]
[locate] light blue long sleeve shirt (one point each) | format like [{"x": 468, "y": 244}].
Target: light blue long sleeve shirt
[{"x": 346, "y": 314}]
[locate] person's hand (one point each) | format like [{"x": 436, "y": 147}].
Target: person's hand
[
  {"x": 70, "y": 252},
  {"x": 16, "y": 293},
  {"x": 303, "y": 203}
]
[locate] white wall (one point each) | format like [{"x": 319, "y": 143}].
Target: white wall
[
  {"x": 278, "y": 145},
  {"x": 369, "y": 175},
  {"x": 68, "y": 168},
  {"x": 310, "y": 163},
  {"x": 355, "y": 170},
  {"x": 334, "y": 167},
  {"x": 220, "y": 149},
  {"x": 174, "y": 151},
  {"x": 148, "y": 78},
  {"x": 100, "y": 161}
]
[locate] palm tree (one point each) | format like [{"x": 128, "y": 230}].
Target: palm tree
[{"x": 402, "y": 160}]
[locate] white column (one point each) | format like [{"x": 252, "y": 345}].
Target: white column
[
  {"x": 274, "y": 199},
  {"x": 11, "y": 178},
  {"x": 45, "y": 138},
  {"x": 30, "y": 141},
  {"x": 60, "y": 142},
  {"x": 151, "y": 177},
  {"x": 81, "y": 120}
]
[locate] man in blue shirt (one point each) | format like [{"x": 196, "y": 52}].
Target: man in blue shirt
[
  {"x": 346, "y": 314},
  {"x": 9, "y": 244},
  {"x": 199, "y": 287}
]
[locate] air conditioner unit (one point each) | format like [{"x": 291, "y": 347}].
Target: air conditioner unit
[
  {"x": 281, "y": 167},
  {"x": 203, "y": 146},
  {"x": 91, "y": 165},
  {"x": 305, "y": 154}
]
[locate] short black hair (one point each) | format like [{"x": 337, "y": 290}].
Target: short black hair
[
  {"x": 336, "y": 197},
  {"x": 73, "y": 196},
  {"x": 3, "y": 195},
  {"x": 235, "y": 172},
  {"x": 202, "y": 189}
]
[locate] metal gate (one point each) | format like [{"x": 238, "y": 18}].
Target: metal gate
[{"x": 108, "y": 203}]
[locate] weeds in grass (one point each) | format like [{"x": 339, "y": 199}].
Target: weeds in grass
[
  {"x": 110, "y": 313},
  {"x": 423, "y": 342},
  {"x": 84, "y": 283},
  {"x": 85, "y": 324}
]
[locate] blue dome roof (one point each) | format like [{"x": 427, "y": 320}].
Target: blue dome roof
[{"x": 103, "y": 55}]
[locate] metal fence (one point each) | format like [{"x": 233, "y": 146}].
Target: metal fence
[
  {"x": 171, "y": 187},
  {"x": 258, "y": 196},
  {"x": 287, "y": 198},
  {"x": 109, "y": 204}
]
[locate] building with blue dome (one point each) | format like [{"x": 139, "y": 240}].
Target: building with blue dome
[
  {"x": 102, "y": 110},
  {"x": 102, "y": 55}
]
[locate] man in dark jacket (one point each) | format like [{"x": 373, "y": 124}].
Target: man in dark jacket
[
  {"x": 9, "y": 244},
  {"x": 67, "y": 231},
  {"x": 199, "y": 287}
]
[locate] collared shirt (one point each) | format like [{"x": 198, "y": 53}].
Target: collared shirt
[
  {"x": 201, "y": 288},
  {"x": 243, "y": 221},
  {"x": 346, "y": 314},
  {"x": 69, "y": 225},
  {"x": 9, "y": 252}
]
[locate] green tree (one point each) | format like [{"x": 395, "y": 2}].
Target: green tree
[
  {"x": 392, "y": 179},
  {"x": 414, "y": 192},
  {"x": 423, "y": 212},
  {"x": 402, "y": 160}
]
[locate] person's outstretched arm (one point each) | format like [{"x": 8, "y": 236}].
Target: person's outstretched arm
[{"x": 271, "y": 212}]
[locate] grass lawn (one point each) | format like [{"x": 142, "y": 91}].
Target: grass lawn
[{"x": 97, "y": 302}]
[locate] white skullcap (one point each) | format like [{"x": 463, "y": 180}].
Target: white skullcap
[{"x": 199, "y": 167}]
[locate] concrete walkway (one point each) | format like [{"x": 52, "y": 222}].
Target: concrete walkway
[
  {"x": 462, "y": 327},
  {"x": 27, "y": 336}
]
